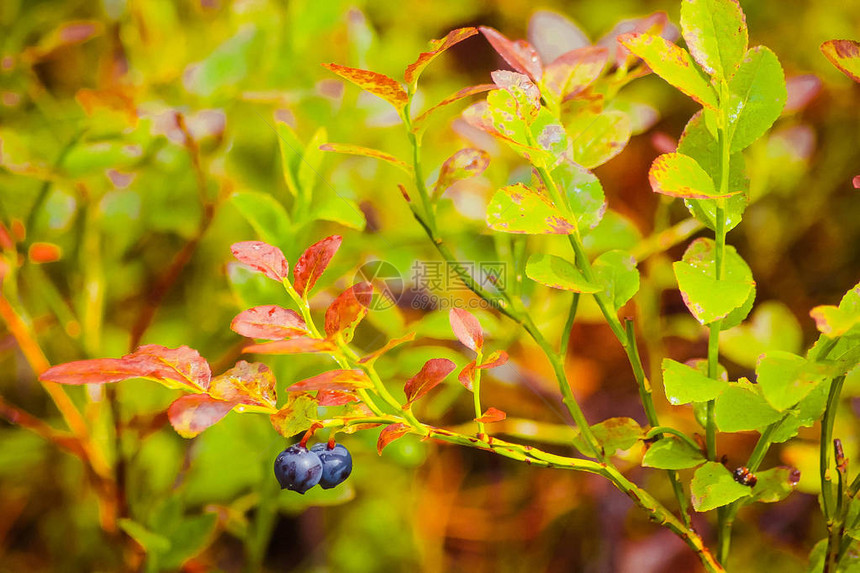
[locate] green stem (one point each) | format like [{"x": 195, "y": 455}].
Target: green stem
[
  {"x": 476, "y": 393},
  {"x": 660, "y": 430},
  {"x": 827, "y": 421}
]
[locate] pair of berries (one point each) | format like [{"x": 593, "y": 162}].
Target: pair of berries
[{"x": 299, "y": 469}]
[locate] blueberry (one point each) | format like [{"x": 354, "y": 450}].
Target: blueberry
[
  {"x": 297, "y": 469},
  {"x": 337, "y": 464}
]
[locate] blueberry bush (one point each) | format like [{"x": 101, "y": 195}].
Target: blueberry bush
[{"x": 524, "y": 296}]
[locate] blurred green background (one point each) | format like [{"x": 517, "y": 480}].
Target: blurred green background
[{"x": 127, "y": 131}]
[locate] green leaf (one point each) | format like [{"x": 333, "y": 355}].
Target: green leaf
[
  {"x": 291, "y": 155},
  {"x": 309, "y": 166},
  {"x": 773, "y": 327},
  {"x": 556, "y": 272},
  {"x": 615, "y": 231},
  {"x": 807, "y": 412},
  {"x": 678, "y": 175},
  {"x": 521, "y": 209},
  {"x": 264, "y": 213},
  {"x": 716, "y": 34},
  {"x": 329, "y": 206},
  {"x": 672, "y": 454},
  {"x": 684, "y": 384},
  {"x": 225, "y": 67},
  {"x": 785, "y": 378},
  {"x": 598, "y": 137},
  {"x": 519, "y": 97},
  {"x": 150, "y": 541},
  {"x": 617, "y": 272},
  {"x": 583, "y": 192},
  {"x": 698, "y": 142},
  {"x": 758, "y": 94},
  {"x": 714, "y": 486},
  {"x": 774, "y": 485},
  {"x": 707, "y": 298},
  {"x": 613, "y": 434},
  {"x": 739, "y": 314},
  {"x": 741, "y": 408},
  {"x": 188, "y": 539},
  {"x": 845, "y": 55},
  {"x": 673, "y": 64},
  {"x": 835, "y": 321},
  {"x": 296, "y": 416}
]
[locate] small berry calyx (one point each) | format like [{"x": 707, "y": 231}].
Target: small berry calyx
[
  {"x": 336, "y": 461},
  {"x": 298, "y": 469}
]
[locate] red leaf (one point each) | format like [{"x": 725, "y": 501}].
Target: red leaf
[
  {"x": 467, "y": 376},
  {"x": 291, "y": 346},
  {"x": 388, "y": 346},
  {"x": 432, "y": 373},
  {"x": 44, "y": 253},
  {"x": 246, "y": 383},
  {"x": 856, "y": 181},
  {"x": 413, "y": 71},
  {"x": 497, "y": 358},
  {"x": 389, "y": 434},
  {"x": 520, "y": 54},
  {"x": 491, "y": 415},
  {"x": 347, "y": 310},
  {"x": 313, "y": 263},
  {"x": 350, "y": 149},
  {"x": 191, "y": 414},
  {"x": 182, "y": 365},
  {"x": 342, "y": 380},
  {"x": 466, "y": 328},
  {"x": 270, "y": 322},
  {"x": 465, "y": 92},
  {"x": 262, "y": 257},
  {"x": 377, "y": 84},
  {"x": 335, "y": 398}
]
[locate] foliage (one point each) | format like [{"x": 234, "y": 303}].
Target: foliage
[{"x": 141, "y": 144}]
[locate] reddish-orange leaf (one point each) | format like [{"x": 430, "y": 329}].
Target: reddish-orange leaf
[
  {"x": 262, "y": 257},
  {"x": 191, "y": 414},
  {"x": 466, "y": 328},
  {"x": 313, "y": 263},
  {"x": 389, "y": 434},
  {"x": 182, "y": 365},
  {"x": 573, "y": 71},
  {"x": 336, "y": 397},
  {"x": 292, "y": 346},
  {"x": 801, "y": 89},
  {"x": 465, "y": 92},
  {"x": 347, "y": 310},
  {"x": 270, "y": 322},
  {"x": 432, "y": 373},
  {"x": 497, "y": 358},
  {"x": 520, "y": 54},
  {"x": 95, "y": 371},
  {"x": 350, "y": 149},
  {"x": 467, "y": 376},
  {"x": 388, "y": 346},
  {"x": 375, "y": 83},
  {"x": 856, "y": 181},
  {"x": 491, "y": 415},
  {"x": 342, "y": 380},
  {"x": 44, "y": 253},
  {"x": 436, "y": 47},
  {"x": 246, "y": 383},
  {"x": 845, "y": 55}
]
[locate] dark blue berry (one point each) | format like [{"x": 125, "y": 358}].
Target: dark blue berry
[
  {"x": 297, "y": 469},
  {"x": 337, "y": 464}
]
